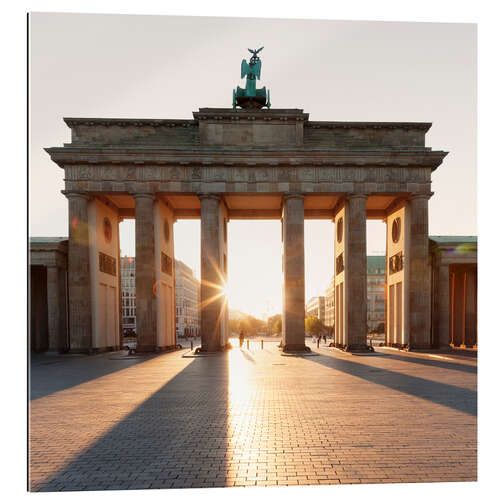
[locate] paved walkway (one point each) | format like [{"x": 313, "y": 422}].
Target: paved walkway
[{"x": 250, "y": 417}]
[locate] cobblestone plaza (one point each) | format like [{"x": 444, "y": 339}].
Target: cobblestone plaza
[{"x": 251, "y": 417}]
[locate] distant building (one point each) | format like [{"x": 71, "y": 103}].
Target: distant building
[
  {"x": 375, "y": 285},
  {"x": 128, "y": 295},
  {"x": 330, "y": 304},
  {"x": 316, "y": 307},
  {"x": 187, "y": 290},
  {"x": 187, "y": 300}
]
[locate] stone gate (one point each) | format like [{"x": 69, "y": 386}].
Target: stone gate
[{"x": 244, "y": 164}]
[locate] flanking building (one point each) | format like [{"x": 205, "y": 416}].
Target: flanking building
[{"x": 454, "y": 291}]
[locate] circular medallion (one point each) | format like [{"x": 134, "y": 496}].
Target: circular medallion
[
  {"x": 166, "y": 231},
  {"x": 396, "y": 229},
  {"x": 340, "y": 229},
  {"x": 108, "y": 230}
]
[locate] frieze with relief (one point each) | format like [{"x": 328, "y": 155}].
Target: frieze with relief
[
  {"x": 166, "y": 264},
  {"x": 107, "y": 264}
]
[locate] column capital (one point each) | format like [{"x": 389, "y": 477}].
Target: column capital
[
  {"x": 76, "y": 194},
  {"x": 149, "y": 196},
  {"x": 356, "y": 195},
  {"x": 417, "y": 196},
  {"x": 212, "y": 196},
  {"x": 291, "y": 196}
]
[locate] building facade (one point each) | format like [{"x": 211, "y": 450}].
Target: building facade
[
  {"x": 330, "y": 304},
  {"x": 187, "y": 300},
  {"x": 375, "y": 284},
  {"x": 316, "y": 307},
  {"x": 128, "y": 295}
]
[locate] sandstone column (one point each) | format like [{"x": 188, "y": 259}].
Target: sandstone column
[
  {"x": 293, "y": 273},
  {"x": 420, "y": 273},
  {"x": 56, "y": 305},
  {"x": 145, "y": 273},
  {"x": 355, "y": 273},
  {"x": 80, "y": 313},
  {"x": 120, "y": 298},
  {"x": 443, "y": 305},
  {"x": 212, "y": 274}
]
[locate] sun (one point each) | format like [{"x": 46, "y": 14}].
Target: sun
[{"x": 226, "y": 290}]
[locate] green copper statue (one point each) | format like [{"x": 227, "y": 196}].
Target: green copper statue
[{"x": 251, "y": 96}]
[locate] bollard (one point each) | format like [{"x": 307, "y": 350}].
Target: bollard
[
  {"x": 318, "y": 342},
  {"x": 248, "y": 344},
  {"x": 262, "y": 344},
  {"x": 191, "y": 345}
]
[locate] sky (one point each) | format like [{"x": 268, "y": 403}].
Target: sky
[{"x": 84, "y": 65}]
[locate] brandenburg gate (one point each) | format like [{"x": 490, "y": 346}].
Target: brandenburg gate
[{"x": 245, "y": 162}]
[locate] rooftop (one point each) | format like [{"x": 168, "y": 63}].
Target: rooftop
[
  {"x": 454, "y": 239},
  {"x": 43, "y": 240}
]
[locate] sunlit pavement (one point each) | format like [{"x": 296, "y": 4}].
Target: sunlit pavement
[{"x": 250, "y": 417}]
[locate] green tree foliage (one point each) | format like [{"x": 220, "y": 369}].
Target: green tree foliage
[
  {"x": 314, "y": 326},
  {"x": 274, "y": 324},
  {"x": 248, "y": 324}
]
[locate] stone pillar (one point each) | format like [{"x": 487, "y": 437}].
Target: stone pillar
[
  {"x": 293, "y": 274},
  {"x": 355, "y": 273},
  {"x": 443, "y": 305},
  {"x": 145, "y": 273},
  {"x": 212, "y": 274},
  {"x": 420, "y": 274},
  {"x": 56, "y": 306},
  {"x": 470, "y": 294},
  {"x": 120, "y": 298},
  {"x": 80, "y": 312}
]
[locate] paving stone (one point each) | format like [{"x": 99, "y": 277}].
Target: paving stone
[{"x": 251, "y": 419}]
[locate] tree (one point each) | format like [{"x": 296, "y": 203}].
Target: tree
[
  {"x": 243, "y": 325},
  {"x": 233, "y": 325},
  {"x": 274, "y": 324},
  {"x": 314, "y": 326}
]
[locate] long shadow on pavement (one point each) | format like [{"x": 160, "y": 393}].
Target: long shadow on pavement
[
  {"x": 457, "y": 398},
  {"x": 49, "y": 375},
  {"x": 447, "y": 365},
  {"x": 177, "y": 438}
]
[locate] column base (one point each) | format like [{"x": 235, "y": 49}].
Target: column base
[
  {"x": 146, "y": 348},
  {"x": 357, "y": 348},
  {"x": 396, "y": 345},
  {"x": 221, "y": 348},
  {"x": 295, "y": 348},
  {"x": 419, "y": 347}
]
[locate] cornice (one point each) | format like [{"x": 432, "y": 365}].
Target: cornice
[
  {"x": 425, "y": 126},
  {"x": 216, "y": 114},
  {"x": 229, "y": 114},
  {"x": 129, "y": 122},
  {"x": 135, "y": 157}
]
